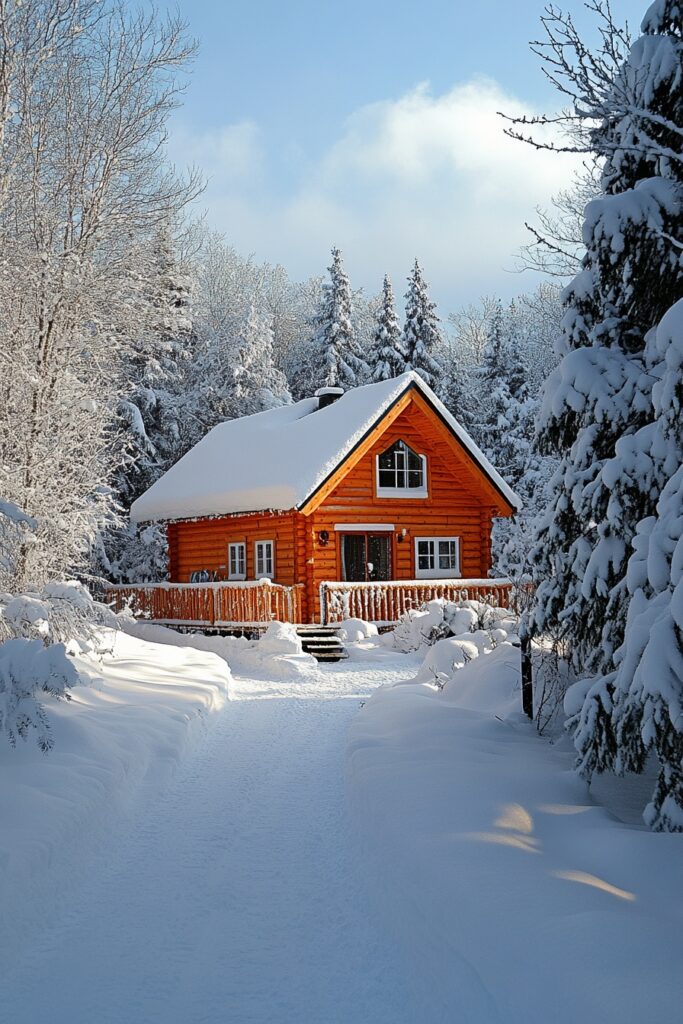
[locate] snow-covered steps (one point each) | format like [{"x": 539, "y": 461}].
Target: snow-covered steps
[{"x": 322, "y": 642}]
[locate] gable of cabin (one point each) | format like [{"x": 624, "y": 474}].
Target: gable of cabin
[{"x": 460, "y": 502}]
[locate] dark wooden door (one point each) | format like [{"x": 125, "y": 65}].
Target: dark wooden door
[{"x": 366, "y": 556}]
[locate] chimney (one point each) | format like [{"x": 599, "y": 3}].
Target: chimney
[{"x": 326, "y": 396}]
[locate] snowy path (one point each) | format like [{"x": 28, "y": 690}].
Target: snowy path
[{"x": 240, "y": 897}]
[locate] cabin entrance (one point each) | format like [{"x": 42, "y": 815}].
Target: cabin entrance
[{"x": 366, "y": 557}]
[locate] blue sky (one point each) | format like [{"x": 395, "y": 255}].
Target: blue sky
[{"x": 372, "y": 126}]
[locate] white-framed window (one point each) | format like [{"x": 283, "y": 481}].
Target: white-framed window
[
  {"x": 264, "y": 559},
  {"x": 237, "y": 561},
  {"x": 437, "y": 557},
  {"x": 401, "y": 473}
]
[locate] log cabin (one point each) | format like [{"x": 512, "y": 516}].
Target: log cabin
[{"x": 359, "y": 503}]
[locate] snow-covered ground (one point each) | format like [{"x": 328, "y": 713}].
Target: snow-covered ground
[
  {"x": 324, "y": 852},
  {"x": 241, "y": 894},
  {"x": 515, "y": 896},
  {"x": 117, "y": 744}
]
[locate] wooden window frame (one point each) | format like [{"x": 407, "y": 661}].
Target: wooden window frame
[
  {"x": 237, "y": 575},
  {"x": 264, "y": 575},
  {"x": 409, "y": 493},
  {"x": 437, "y": 573}
]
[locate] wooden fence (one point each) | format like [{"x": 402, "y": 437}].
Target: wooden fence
[
  {"x": 258, "y": 602},
  {"x": 386, "y": 602},
  {"x": 210, "y": 604}
]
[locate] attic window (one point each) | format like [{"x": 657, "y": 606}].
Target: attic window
[{"x": 401, "y": 473}]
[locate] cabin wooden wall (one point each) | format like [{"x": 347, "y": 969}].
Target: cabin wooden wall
[
  {"x": 457, "y": 505},
  {"x": 203, "y": 544}
]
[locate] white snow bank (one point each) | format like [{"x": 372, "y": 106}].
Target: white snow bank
[
  {"x": 278, "y": 653},
  {"x": 515, "y": 897},
  {"x": 115, "y": 744}
]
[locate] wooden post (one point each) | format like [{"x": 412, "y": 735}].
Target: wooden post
[{"x": 527, "y": 682}]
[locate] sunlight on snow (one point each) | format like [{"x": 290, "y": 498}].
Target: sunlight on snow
[
  {"x": 596, "y": 883},
  {"x": 520, "y": 823},
  {"x": 564, "y": 808},
  {"x": 515, "y": 817},
  {"x": 526, "y": 843}
]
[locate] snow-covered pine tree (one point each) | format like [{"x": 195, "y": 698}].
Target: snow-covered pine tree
[
  {"x": 637, "y": 708},
  {"x": 504, "y": 430},
  {"x": 461, "y": 357},
  {"x": 335, "y": 358},
  {"x": 155, "y": 411},
  {"x": 600, "y": 395},
  {"x": 388, "y": 356},
  {"x": 502, "y": 426},
  {"x": 258, "y": 384},
  {"x": 156, "y": 368},
  {"x": 421, "y": 336}
]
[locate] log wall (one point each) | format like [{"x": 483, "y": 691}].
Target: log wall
[{"x": 203, "y": 544}]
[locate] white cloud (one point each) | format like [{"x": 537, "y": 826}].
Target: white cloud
[
  {"x": 425, "y": 175},
  {"x": 229, "y": 156}
]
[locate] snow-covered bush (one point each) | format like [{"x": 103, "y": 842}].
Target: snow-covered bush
[
  {"x": 552, "y": 679},
  {"x": 440, "y": 619},
  {"x": 27, "y": 669},
  {"x": 280, "y": 638},
  {"x": 451, "y": 653},
  {"x": 16, "y": 529},
  {"x": 352, "y": 630},
  {"x": 60, "y": 612}
]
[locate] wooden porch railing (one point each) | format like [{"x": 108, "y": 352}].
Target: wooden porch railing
[
  {"x": 210, "y": 604},
  {"x": 385, "y": 602}
]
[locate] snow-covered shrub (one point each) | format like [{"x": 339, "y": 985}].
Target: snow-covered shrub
[
  {"x": 16, "y": 529},
  {"x": 58, "y": 613},
  {"x": 280, "y": 638},
  {"x": 552, "y": 678},
  {"x": 440, "y": 619},
  {"x": 27, "y": 669},
  {"x": 352, "y": 630},
  {"x": 448, "y": 655}
]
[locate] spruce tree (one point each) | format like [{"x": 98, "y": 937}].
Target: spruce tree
[
  {"x": 154, "y": 413},
  {"x": 503, "y": 421},
  {"x": 637, "y": 708},
  {"x": 421, "y": 336},
  {"x": 337, "y": 361},
  {"x": 258, "y": 384},
  {"x": 504, "y": 430},
  {"x": 388, "y": 353},
  {"x": 600, "y": 395},
  {"x": 153, "y": 410},
  {"x": 611, "y": 547}
]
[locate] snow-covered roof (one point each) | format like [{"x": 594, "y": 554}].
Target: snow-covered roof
[{"x": 279, "y": 458}]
